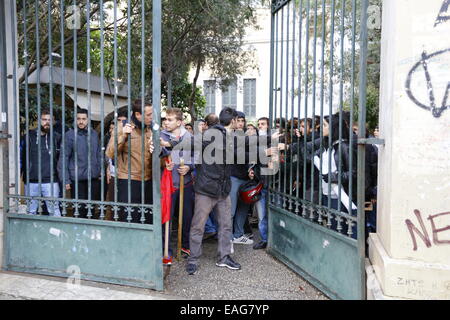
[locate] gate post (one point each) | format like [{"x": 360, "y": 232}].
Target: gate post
[
  {"x": 8, "y": 105},
  {"x": 410, "y": 253}
]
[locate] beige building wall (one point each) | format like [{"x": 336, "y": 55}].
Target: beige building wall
[
  {"x": 259, "y": 40},
  {"x": 410, "y": 253}
]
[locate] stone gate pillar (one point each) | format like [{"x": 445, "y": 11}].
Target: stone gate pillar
[{"x": 410, "y": 253}]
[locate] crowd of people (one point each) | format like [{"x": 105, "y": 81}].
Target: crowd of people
[{"x": 314, "y": 159}]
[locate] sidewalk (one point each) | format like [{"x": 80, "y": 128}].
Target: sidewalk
[{"x": 21, "y": 286}]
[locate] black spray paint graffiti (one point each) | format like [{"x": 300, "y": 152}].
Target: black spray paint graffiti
[
  {"x": 431, "y": 106},
  {"x": 444, "y": 14}
]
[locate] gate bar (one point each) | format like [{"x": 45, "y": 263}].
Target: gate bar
[
  {"x": 362, "y": 147},
  {"x": 4, "y": 124}
]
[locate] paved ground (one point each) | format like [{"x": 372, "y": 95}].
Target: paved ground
[{"x": 261, "y": 277}]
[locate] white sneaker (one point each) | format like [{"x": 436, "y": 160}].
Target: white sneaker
[{"x": 242, "y": 240}]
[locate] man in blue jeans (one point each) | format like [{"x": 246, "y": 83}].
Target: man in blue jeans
[
  {"x": 176, "y": 132},
  {"x": 36, "y": 164},
  {"x": 239, "y": 175}
]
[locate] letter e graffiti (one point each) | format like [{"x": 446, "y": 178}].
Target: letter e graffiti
[
  {"x": 411, "y": 227},
  {"x": 436, "y": 230}
]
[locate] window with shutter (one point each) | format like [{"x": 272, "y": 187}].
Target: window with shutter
[
  {"x": 209, "y": 91},
  {"x": 250, "y": 97}
]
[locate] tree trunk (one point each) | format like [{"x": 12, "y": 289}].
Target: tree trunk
[{"x": 194, "y": 88}]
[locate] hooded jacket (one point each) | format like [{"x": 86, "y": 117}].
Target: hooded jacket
[
  {"x": 33, "y": 157},
  {"x": 82, "y": 160}
]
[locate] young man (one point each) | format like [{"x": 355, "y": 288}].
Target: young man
[
  {"x": 176, "y": 132},
  {"x": 49, "y": 151},
  {"x": 239, "y": 175},
  {"x": 189, "y": 128},
  {"x": 132, "y": 131},
  {"x": 81, "y": 155},
  {"x": 111, "y": 168},
  {"x": 263, "y": 126},
  {"x": 212, "y": 190}
]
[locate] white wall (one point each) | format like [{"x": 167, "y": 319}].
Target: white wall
[{"x": 260, "y": 41}]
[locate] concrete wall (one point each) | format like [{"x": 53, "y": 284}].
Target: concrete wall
[{"x": 411, "y": 251}]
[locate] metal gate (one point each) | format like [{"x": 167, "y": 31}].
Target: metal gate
[
  {"x": 314, "y": 226},
  {"x": 57, "y": 58}
]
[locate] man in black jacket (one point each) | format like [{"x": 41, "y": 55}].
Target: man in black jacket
[
  {"x": 36, "y": 165},
  {"x": 212, "y": 190},
  {"x": 79, "y": 168}
]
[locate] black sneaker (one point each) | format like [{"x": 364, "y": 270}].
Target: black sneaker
[
  {"x": 229, "y": 263},
  {"x": 191, "y": 268},
  {"x": 260, "y": 245}
]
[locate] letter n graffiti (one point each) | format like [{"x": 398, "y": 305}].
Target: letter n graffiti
[{"x": 411, "y": 227}]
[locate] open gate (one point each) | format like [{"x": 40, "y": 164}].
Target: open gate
[
  {"x": 59, "y": 56},
  {"x": 316, "y": 220}
]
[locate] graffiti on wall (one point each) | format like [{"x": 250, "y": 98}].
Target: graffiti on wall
[
  {"x": 436, "y": 229},
  {"x": 432, "y": 104},
  {"x": 444, "y": 13},
  {"x": 428, "y": 81}
]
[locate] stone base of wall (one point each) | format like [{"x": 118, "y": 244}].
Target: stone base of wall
[{"x": 404, "y": 279}]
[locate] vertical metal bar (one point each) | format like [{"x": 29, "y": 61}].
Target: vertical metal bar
[
  {"x": 271, "y": 95},
  {"x": 280, "y": 181},
  {"x": 322, "y": 84},
  {"x": 156, "y": 95},
  {"x": 102, "y": 112},
  {"x": 116, "y": 217},
  {"x": 27, "y": 106},
  {"x": 292, "y": 105},
  {"x": 88, "y": 49},
  {"x": 142, "y": 109},
  {"x": 50, "y": 56},
  {"x": 308, "y": 8},
  {"x": 362, "y": 147},
  {"x": 63, "y": 115},
  {"x": 285, "y": 184},
  {"x": 75, "y": 127},
  {"x": 38, "y": 133},
  {"x": 15, "y": 85},
  {"x": 311, "y": 216},
  {"x": 352, "y": 98},
  {"x": 129, "y": 107},
  {"x": 275, "y": 98},
  {"x": 330, "y": 147},
  {"x": 297, "y": 189},
  {"x": 341, "y": 102},
  {"x": 4, "y": 128}
]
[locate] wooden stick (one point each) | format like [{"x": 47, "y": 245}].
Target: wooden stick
[{"x": 180, "y": 213}]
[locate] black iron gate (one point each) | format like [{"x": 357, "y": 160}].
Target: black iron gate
[{"x": 317, "y": 197}]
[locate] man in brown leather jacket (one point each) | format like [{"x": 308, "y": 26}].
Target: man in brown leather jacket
[{"x": 132, "y": 131}]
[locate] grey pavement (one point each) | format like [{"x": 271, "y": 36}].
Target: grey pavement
[
  {"x": 21, "y": 286},
  {"x": 262, "y": 277}
]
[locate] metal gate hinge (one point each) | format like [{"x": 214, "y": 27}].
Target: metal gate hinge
[
  {"x": 5, "y": 135},
  {"x": 371, "y": 141}
]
